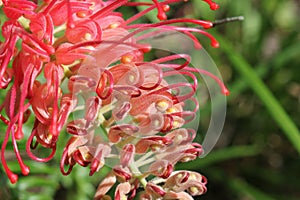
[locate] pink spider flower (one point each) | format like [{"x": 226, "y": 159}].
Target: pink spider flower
[{"x": 111, "y": 89}]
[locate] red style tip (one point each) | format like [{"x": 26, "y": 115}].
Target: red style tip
[
  {"x": 162, "y": 16},
  {"x": 212, "y": 5},
  {"x": 226, "y": 92},
  {"x": 215, "y": 44},
  {"x": 19, "y": 134},
  {"x": 12, "y": 177},
  {"x": 166, "y": 8},
  {"x": 25, "y": 170}
]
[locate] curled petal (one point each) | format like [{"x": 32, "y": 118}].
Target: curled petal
[
  {"x": 154, "y": 190},
  {"x": 109, "y": 21},
  {"x": 161, "y": 168},
  {"x": 77, "y": 127},
  {"x": 78, "y": 83},
  {"x": 59, "y": 11},
  {"x": 178, "y": 195},
  {"x": 96, "y": 164},
  {"x": 75, "y": 142},
  {"x": 192, "y": 153},
  {"x": 85, "y": 30},
  {"x": 42, "y": 103},
  {"x": 121, "y": 131},
  {"x": 177, "y": 178},
  {"x": 68, "y": 53},
  {"x": 92, "y": 105},
  {"x": 6, "y": 78},
  {"x": 136, "y": 56},
  {"x": 49, "y": 73},
  {"x": 105, "y": 85},
  {"x": 16, "y": 8},
  {"x": 155, "y": 143},
  {"x": 181, "y": 136},
  {"x": 44, "y": 137},
  {"x": 127, "y": 155},
  {"x": 124, "y": 74},
  {"x": 20, "y": 66},
  {"x": 102, "y": 151},
  {"x": 168, "y": 123},
  {"x": 192, "y": 182},
  {"x": 182, "y": 153},
  {"x": 121, "y": 110},
  {"x": 123, "y": 174},
  {"x": 30, "y": 145},
  {"x": 84, "y": 155},
  {"x": 142, "y": 103},
  {"x": 66, "y": 160},
  {"x": 67, "y": 105},
  {"x": 127, "y": 91},
  {"x": 121, "y": 191},
  {"x": 105, "y": 185},
  {"x": 150, "y": 124},
  {"x": 34, "y": 46},
  {"x": 152, "y": 76},
  {"x": 41, "y": 25}
]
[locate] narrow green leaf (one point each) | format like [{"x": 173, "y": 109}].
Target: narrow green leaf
[
  {"x": 262, "y": 91},
  {"x": 243, "y": 188}
]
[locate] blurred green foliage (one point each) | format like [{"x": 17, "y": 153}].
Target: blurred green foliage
[{"x": 257, "y": 156}]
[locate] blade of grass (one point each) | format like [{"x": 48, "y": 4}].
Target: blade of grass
[
  {"x": 261, "y": 90},
  {"x": 277, "y": 61}
]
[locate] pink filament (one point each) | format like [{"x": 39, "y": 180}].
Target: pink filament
[
  {"x": 175, "y": 57},
  {"x": 12, "y": 177},
  {"x": 63, "y": 160},
  {"x": 31, "y": 155},
  {"x": 224, "y": 90},
  {"x": 109, "y": 8},
  {"x": 142, "y": 13}
]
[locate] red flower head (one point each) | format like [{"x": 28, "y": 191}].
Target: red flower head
[{"x": 82, "y": 59}]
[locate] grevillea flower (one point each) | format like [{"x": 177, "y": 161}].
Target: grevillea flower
[{"x": 120, "y": 109}]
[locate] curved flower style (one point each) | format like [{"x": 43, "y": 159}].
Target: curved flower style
[{"x": 125, "y": 110}]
